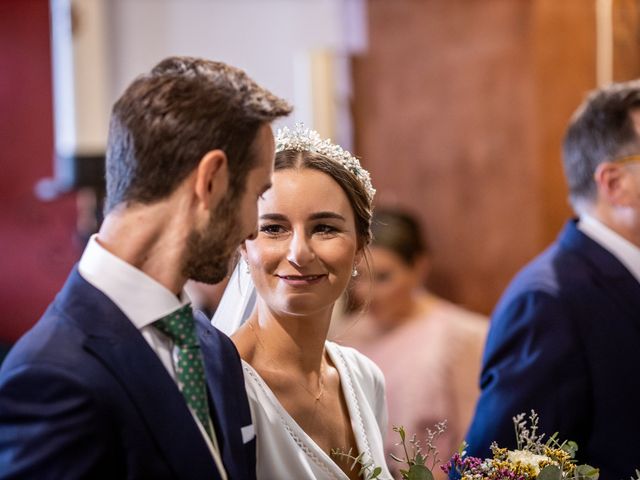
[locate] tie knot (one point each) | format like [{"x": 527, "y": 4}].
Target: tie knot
[{"x": 179, "y": 327}]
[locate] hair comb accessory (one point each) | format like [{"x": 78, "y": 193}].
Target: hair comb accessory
[{"x": 302, "y": 139}]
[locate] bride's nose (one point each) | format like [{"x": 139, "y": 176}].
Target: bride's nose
[{"x": 300, "y": 251}]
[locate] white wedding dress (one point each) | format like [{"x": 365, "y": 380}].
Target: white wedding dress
[{"x": 285, "y": 451}]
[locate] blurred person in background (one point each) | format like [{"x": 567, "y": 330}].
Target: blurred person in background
[
  {"x": 428, "y": 348},
  {"x": 205, "y": 297},
  {"x": 564, "y": 336}
]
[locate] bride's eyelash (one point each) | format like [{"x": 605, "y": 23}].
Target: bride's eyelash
[
  {"x": 272, "y": 228},
  {"x": 326, "y": 229}
]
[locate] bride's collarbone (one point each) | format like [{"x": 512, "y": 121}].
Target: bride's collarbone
[{"x": 325, "y": 417}]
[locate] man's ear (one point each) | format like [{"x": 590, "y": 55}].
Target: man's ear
[
  {"x": 610, "y": 181},
  {"x": 212, "y": 178}
]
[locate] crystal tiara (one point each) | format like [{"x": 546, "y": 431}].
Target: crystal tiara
[{"x": 302, "y": 139}]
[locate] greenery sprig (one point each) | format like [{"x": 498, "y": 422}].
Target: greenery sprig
[{"x": 418, "y": 462}]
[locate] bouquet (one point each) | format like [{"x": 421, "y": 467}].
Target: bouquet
[{"x": 535, "y": 458}]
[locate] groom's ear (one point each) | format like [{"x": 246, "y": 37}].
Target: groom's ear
[{"x": 212, "y": 178}]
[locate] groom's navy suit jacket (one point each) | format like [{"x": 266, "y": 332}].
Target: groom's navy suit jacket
[
  {"x": 564, "y": 341},
  {"x": 82, "y": 395}
]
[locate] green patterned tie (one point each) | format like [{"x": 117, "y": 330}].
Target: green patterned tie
[{"x": 180, "y": 328}]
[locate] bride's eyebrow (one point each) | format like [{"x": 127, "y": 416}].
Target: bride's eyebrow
[
  {"x": 277, "y": 217},
  {"x": 326, "y": 215}
]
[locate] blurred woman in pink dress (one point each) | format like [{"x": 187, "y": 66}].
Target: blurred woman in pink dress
[{"x": 428, "y": 348}]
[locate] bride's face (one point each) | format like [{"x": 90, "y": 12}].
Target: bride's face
[{"x": 306, "y": 247}]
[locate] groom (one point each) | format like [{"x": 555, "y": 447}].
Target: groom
[{"x": 110, "y": 383}]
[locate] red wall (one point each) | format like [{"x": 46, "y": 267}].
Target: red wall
[{"x": 37, "y": 245}]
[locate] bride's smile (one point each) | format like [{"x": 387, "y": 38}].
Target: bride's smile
[{"x": 301, "y": 280}]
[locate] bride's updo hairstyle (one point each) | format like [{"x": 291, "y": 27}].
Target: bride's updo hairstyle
[{"x": 302, "y": 148}]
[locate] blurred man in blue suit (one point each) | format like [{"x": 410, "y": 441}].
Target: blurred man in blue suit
[
  {"x": 564, "y": 337},
  {"x": 118, "y": 379}
]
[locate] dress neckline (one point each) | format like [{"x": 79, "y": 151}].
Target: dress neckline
[{"x": 310, "y": 448}]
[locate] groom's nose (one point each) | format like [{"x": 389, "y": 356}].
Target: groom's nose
[{"x": 254, "y": 234}]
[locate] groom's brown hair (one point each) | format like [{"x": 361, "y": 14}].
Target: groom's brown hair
[{"x": 168, "y": 119}]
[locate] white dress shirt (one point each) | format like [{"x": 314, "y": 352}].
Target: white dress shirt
[
  {"x": 626, "y": 252},
  {"x": 143, "y": 300}
]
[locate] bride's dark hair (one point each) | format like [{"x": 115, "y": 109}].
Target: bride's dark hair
[{"x": 350, "y": 184}]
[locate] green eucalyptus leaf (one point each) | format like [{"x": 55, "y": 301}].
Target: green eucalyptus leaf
[
  {"x": 419, "y": 472},
  {"x": 550, "y": 472},
  {"x": 376, "y": 472},
  {"x": 552, "y": 440},
  {"x": 571, "y": 448},
  {"x": 420, "y": 459},
  {"x": 586, "y": 472}
]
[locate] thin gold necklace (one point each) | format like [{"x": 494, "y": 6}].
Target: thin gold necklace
[{"x": 315, "y": 396}]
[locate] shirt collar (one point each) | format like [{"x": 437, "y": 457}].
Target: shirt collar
[
  {"x": 618, "y": 246},
  {"x": 141, "y": 298}
]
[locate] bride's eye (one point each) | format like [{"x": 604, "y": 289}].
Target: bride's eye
[
  {"x": 272, "y": 229},
  {"x": 324, "y": 229}
]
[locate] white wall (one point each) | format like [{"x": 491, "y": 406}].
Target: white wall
[{"x": 273, "y": 40}]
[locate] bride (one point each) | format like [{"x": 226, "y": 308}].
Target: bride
[{"x": 309, "y": 396}]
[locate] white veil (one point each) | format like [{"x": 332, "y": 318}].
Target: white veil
[{"x": 237, "y": 302}]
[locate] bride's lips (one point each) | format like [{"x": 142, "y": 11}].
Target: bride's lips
[{"x": 301, "y": 280}]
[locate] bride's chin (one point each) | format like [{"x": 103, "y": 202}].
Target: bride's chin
[{"x": 301, "y": 308}]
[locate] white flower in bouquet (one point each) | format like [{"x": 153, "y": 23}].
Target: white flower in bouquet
[{"x": 528, "y": 458}]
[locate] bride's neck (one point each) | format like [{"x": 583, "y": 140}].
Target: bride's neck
[{"x": 290, "y": 341}]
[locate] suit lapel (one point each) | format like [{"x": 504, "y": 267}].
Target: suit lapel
[
  {"x": 611, "y": 273},
  {"x": 223, "y": 403},
  {"x": 113, "y": 339}
]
